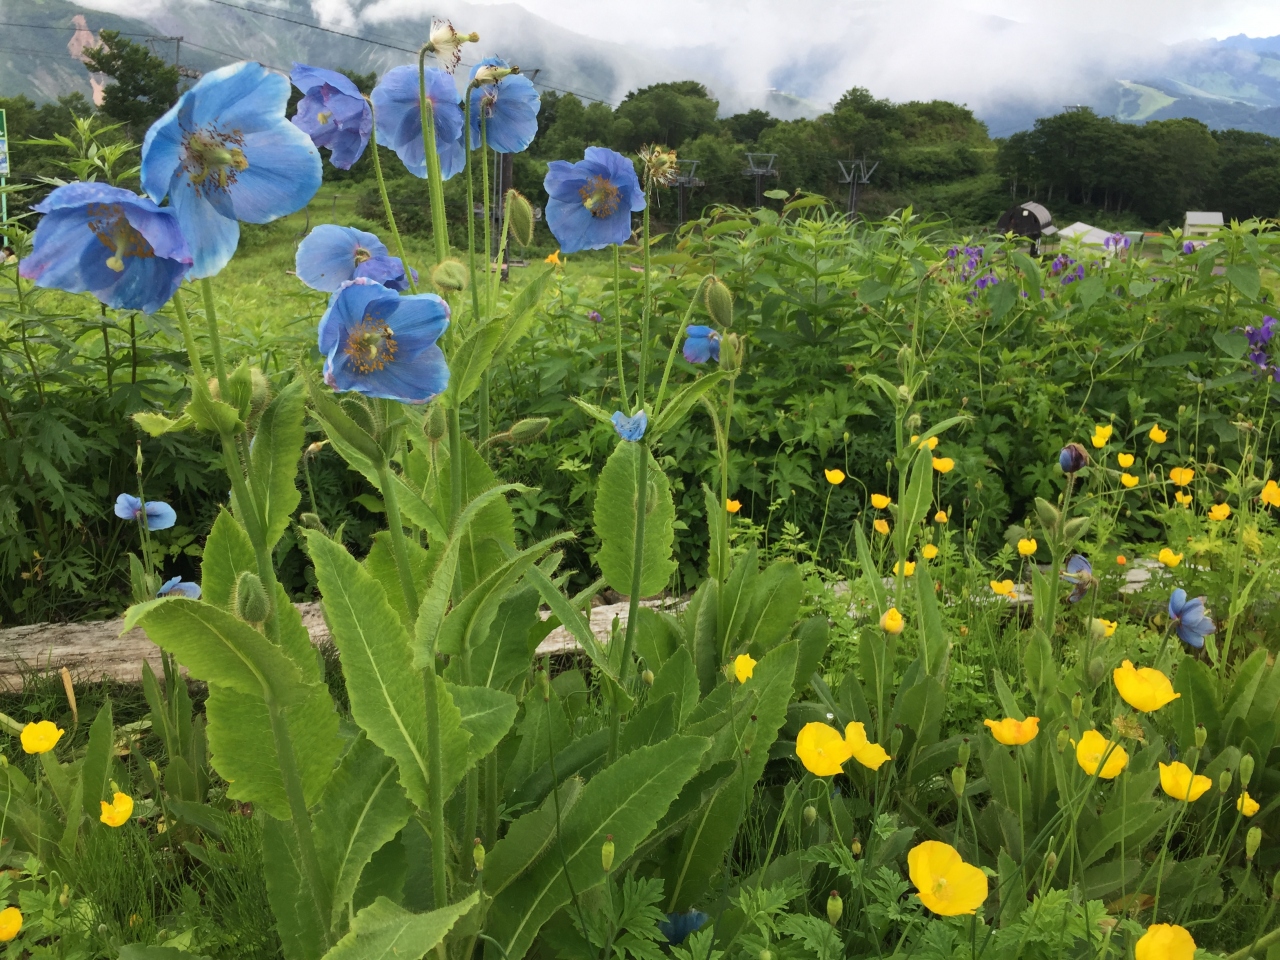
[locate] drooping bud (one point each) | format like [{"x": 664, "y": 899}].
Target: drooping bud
[
  {"x": 437, "y": 425},
  {"x": 733, "y": 350},
  {"x": 252, "y": 605},
  {"x": 958, "y": 780},
  {"x": 647, "y": 677},
  {"x": 477, "y": 855},
  {"x": 1201, "y": 735},
  {"x": 544, "y": 685},
  {"x": 856, "y": 847},
  {"x": 1224, "y": 781},
  {"x": 520, "y": 217},
  {"x": 1051, "y": 862},
  {"x": 449, "y": 276},
  {"x": 1246, "y": 769},
  {"x": 260, "y": 393},
  {"x": 1073, "y": 458},
  {"x": 1077, "y": 705},
  {"x": 963, "y": 753},
  {"x": 1252, "y": 840},
  {"x": 1064, "y": 737},
  {"x": 835, "y": 907},
  {"x": 719, "y": 302},
  {"x": 606, "y": 853},
  {"x": 810, "y": 814},
  {"x": 531, "y": 428}
]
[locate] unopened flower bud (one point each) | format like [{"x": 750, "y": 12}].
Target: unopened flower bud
[
  {"x": 1064, "y": 737},
  {"x": 958, "y": 780},
  {"x": 544, "y": 685},
  {"x": 962, "y": 755},
  {"x": 810, "y": 814},
  {"x": 732, "y": 351},
  {"x": 606, "y": 853},
  {"x": 436, "y": 425},
  {"x": 1201, "y": 735},
  {"x": 764, "y": 954},
  {"x": 477, "y": 855},
  {"x": 1252, "y": 840},
  {"x": 1224, "y": 781},
  {"x": 1097, "y": 671},
  {"x": 647, "y": 677},
  {"x": 856, "y": 847},
  {"x": 252, "y": 605},
  {"x": 1246, "y": 769},
  {"x": 835, "y": 907},
  {"x": 1051, "y": 862},
  {"x": 531, "y": 428},
  {"x": 1275, "y": 888},
  {"x": 1077, "y": 704},
  {"x": 895, "y": 739},
  {"x": 1073, "y": 458},
  {"x": 719, "y": 302},
  {"x": 450, "y": 276},
  {"x": 520, "y": 217}
]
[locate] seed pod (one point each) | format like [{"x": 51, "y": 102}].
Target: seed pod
[
  {"x": 477, "y": 855},
  {"x": 719, "y": 302},
  {"x": 1077, "y": 704},
  {"x": 810, "y": 814},
  {"x": 1252, "y": 840},
  {"x": 1201, "y": 735},
  {"x": 252, "y": 605},
  {"x": 606, "y": 853},
  {"x": 1224, "y": 781},
  {"x": 856, "y": 847},
  {"x": 963, "y": 753},
  {"x": 835, "y": 907},
  {"x": 449, "y": 276},
  {"x": 1064, "y": 737},
  {"x": 1246, "y": 769},
  {"x": 520, "y": 217},
  {"x": 958, "y": 780},
  {"x": 523, "y": 431}
]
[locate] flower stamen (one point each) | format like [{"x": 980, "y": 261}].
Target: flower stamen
[
  {"x": 600, "y": 196},
  {"x": 213, "y": 157},
  {"x": 371, "y": 345},
  {"x": 108, "y": 223}
]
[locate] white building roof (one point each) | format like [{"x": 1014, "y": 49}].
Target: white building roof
[
  {"x": 1201, "y": 218},
  {"x": 1085, "y": 233}
]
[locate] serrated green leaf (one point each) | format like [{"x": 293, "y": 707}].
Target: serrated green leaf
[
  {"x": 520, "y": 311},
  {"x": 775, "y": 601},
  {"x": 677, "y": 408},
  {"x": 485, "y": 714},
  {"x": 614, "y": 520},
  {"x": 469, "y": 361},
  {"x": 527, "y": 839},
  {"x": 157, "y": 425},
  {"x": 227, "y": 553},
  {"x": 591, "y": 410},
  {"x": 210, "y": 415},
  {"x": 300, "y": 921},
  {"x": 506, "y": 650},
  {"x": 1245, "y": 278},
  {"x": 277, "y": 445},
  {"x": 95, "y": 768},
  {"x": 380, "y": 562},
  {"x": 386, "y": 931}
]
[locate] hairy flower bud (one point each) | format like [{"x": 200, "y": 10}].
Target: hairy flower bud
[
  {"x": 1064, "y": 737},
  {"x": 436, "y": 425},
  {"x": 958, "y": 780},
  {"x": 531, "y": 428},
  {"x": 1201, "y": 735},
  {"x": 520, "y": 217},
  {"x": 544, "y": 685},
  {"x": 606, "y": 853},
  {"x": 810, "y": 814},
  {"x": 1077, "y": 705},
  {"x": 1246, "y": 769},
  {"x": 732, "y": 352},
  {"x": 252, "y": 605},
  {"x": 1252, "y": 840},
  {"x": 647, "y": 677},
  {"x": 835, "y": 907},
  {"x": 895, "y": 739},
  {"x": 477, "y": 855},
  {"x": 1097, "y": 671},
  {"x": 856, "y": 847},
  {"x": 962, "y": 755},
  {"x": 1224, "y": 781},
  {"x": 449, "y": 276},
  {"x": 719, "y": 302}
]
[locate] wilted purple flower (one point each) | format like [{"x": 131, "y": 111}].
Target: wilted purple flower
[{"x": 594, "y": 316}]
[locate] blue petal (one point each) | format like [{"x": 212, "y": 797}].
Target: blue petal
[
  {"x": 161, "y": 154},
  {"x": 388, "y": 271},
  {"x": 177, "y": 587},
  {"x": 697, "y": 349},
  {"x": 160, "y": 516},
  {"x": 213, "y": 238},
  {"x": 1177, "y": 600},
  {"x": 512, "y": 119},
  {"x": 630, "y": 428},
  {"x": 1190, "y": 637},
  {"x": 677, "y": 926},
  {"x": 306, "y": 77},
  {"x": 245, "y": 96},
  {"x": 128, "y": 507},
  {"x": 326, "y": 257},
  {"x": 416, "y": 380},
  {"x": 1079, "y": 565},
  {"x": 283, "y": 175}
]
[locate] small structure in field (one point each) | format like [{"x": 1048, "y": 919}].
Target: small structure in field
[
  {"x": 1086, "y": 234},
  {"x": 1200, "y": 223},
  {"x": 1030, "y": 220}
]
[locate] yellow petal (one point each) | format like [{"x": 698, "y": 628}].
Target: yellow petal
[
  {"x": 821, "y": 749},
  {"x": 834, "y": 476},
  {"x": 743, "y": 666},
  {"x": 1145, "y": 689},
  {"x": 1178, "y": 781},
  {"x": 1165, "y": 941}
]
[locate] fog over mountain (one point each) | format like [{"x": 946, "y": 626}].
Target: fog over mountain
[{"x": 1009, "y": 61}]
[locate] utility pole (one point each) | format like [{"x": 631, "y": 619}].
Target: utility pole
[
  {"x": 856, "y": 174},
  {"x": 686, "y": 180},
  {"x": 759, "y": 166}
]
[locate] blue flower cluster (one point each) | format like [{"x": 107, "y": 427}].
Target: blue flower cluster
[
  {"x": 1063, "y": 265},
  {"x": 972, "y": 263},
  {"x": 1259, "y": 338}
]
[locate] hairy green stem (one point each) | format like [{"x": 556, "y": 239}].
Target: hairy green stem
[
  {"x": 455, "y": 466},
  {"x": 645, "y": 305},
  {"x": 215, "y": 341},
  {"x": 386, "y": 201},
  {"x": 633, "y": 601},
  {"x": 471, "y": 206},
  {"x": 399, "y": 543},
  {"x": 617, "y": 325},
  {"x": 435, "y": 791},
  {"x": 435, "y": 185},
  {"x": 675, "y": 345}
]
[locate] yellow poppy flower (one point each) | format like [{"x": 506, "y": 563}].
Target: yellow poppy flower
[
  {"x": 931, "y": 443},
  {"x": 907, "y": 570},
  {"x": 1101, "y": 434},
  {"x": 1183, "y": 498},
  {"x": 1014, "y": 733},
  {"x": 870, "y": 755},
  {"x": 554, "y": 259},
  {"x": 1027, "y": 546},
  {"x": 10, "y": 923},
  {"x": 882, "y": 526},
  {"x": 1092, "y": 747},
  {"x": 1143, "y": 688},
  {"x": 118, "y": 811},
  {"x": 943, "y": 464},
  {"x": 1157, "y": 435},
  {"x": 892, "y": 621},
  {"x": 834, "y": 477},
  {"x": 1168, "y": 557},
  {"x": 743, "y": 666},
  {"x": 929, "y": 551},
  {"x": 1219, "y": 511},
  {"x": 1247, "y": 805},
  {"x": 1103, "y": 628},
  {"x": 1165, "y": 941},
  {"x": 1002, "y": 588},
  {"x": 1271, "y": 494},
  {"x": 821, "y": 749},
  {"x": 1125, "y": 460},
  {"x": 1128, "y": 480},
  {"x": 880, "y": 501},
  {"x": 1177, "y": 780},
  {"x": 1182, "y": 476},
  {"x": 41, "y": 737},
  {"x": 944, "y": 882},
  {"x": 732, "y": 506},
  {"x": 940, "y": 517}
]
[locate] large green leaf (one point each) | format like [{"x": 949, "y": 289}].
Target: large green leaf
[
  {"x": 625, "y": 800},
  {"x": 615, "y": 521},
  {"x": 95, "y": 768},
  {"x": 381, "y": 564},
  {"x": 481, "y": 547},
  {"x": 486, "y": 714},
  {"x": 469, "y": 360},
  {"x": 677, "y": 407},
  {"x": 227, "y": 553},
  {"x": 679, "y": 679},
  {"x": 386, "y": 931},
  {"x": 528, "y": 839},
  {"x": 301, "y": 921},
  {"x": 277, "y": 444},
  {"x": 735, "y": 597},
  {"x": 775, "y": 601},
  {"x": 384, "y": 687},
  {"x": 506, "y": 650},
  {"x": 520, "y": 311},
  {"x": 362, "y": 808},
  {"x": 578, "y": 628}
]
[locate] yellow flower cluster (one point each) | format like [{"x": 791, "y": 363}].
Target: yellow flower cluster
[{"x": 824, "y": 752}]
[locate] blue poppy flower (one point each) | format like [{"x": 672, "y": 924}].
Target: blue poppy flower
[
  {"x": 1190, "y": 618},
  {"x": 592, "y": 200},
  {"x": 110, "y": 242},
  {"x": 160, "y": 516},
  {"x": 225, "y": 153},
  {"x": 678, "y": 926},
  {"x": 509, "y": 106},
  {"x": 177, "y": 587},
  {"x": 1080, "y": 572},
  {"x": 630, "y": 428},
  {"x": 334, "y": 113},
  {"x": 1073, "y": 458},
  {"x": 703, "y": 344},
  {"x": 381, "y": 344},
  {"x": 330, "y": 255},
  {"x": 400, "y": 121}
]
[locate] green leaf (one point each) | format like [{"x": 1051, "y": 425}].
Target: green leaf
[
  {"x": 734, "y": 598},
  {"x": 677, "y": 408},
  {"x": 677, "y": 678},
  {"x": 775, "y": 601},
  {"x": 95, "y": 768},
  {"x": 482, "y": 543},
  {"x": 1089, "y": 290},
  {"x": 362, "y": 808},
  {"x": 300, "y": 921},
  {"x": 933, "y": 635},
  {"x": 469, "y": 360},
  {"x": 210, "y": 415},
  {"x": 591, "y": 410},
  {"x": 776, "y": 194},
  {"x": 380, "y": 562},
  {"x": 386, "y": 931},
  {"x": 1245, "y": 278},
  {"x": 615, "y": 521},
  {"x": 142, "y": 951},
  {"x": 486, "y": 715},
  {"x": 227, "y": 553},
  {"x": 1001, "y": 299},
  {"x": 520, "y": 311},
  {"x": 506, "y": 650},
  {"x": 384, "y": 687},
  {"x": 1231, "y": 343},
  {"x": 870, "y": 572},
  {"x": 157, "y": 425},
  {"x": 919, "y": 491},
  {"x": 350, "y": 439},
  {"x": 625, "y": 800},
  {"x": 528, "y": 839},
  {"x": 576, "y": 624},
  {"x": 277, "y": 445}
]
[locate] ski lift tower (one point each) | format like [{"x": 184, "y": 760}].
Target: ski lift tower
[
  {"x": 856, "y": 173},
  {"x": 759, "y": 166},
  {"x": 686, "y": 180}
]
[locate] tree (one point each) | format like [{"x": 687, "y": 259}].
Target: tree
[
  {"x": 144, "y": 86},
  {"x": 666, "y": 113}
]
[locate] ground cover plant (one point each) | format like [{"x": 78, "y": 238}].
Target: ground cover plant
[{"x": 910, "y": 700}]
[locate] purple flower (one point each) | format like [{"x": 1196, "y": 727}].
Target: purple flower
[
  {"x": 594, "y": 316},
  {"x": 177, "y": 587},
  {"x": 160, "y": 516},
  {"x": 334, "y": 113},
  {"x": 1117, "y": 242},
  {"x": 1190, "y": 618},
  {"x": 1188, "y": 246},
  {"x": 1261, "y": 335}
]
